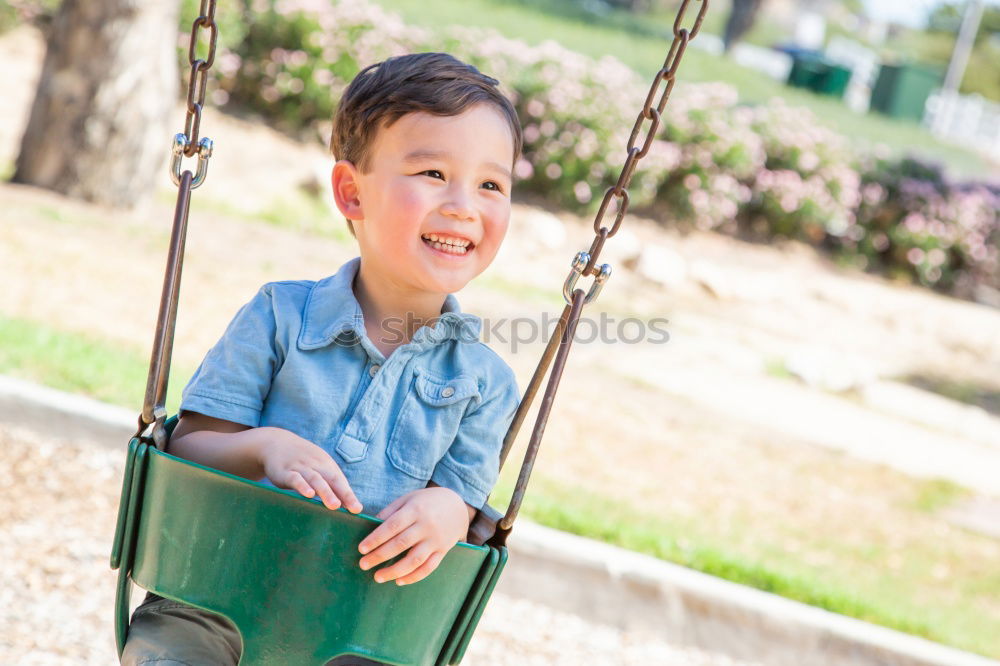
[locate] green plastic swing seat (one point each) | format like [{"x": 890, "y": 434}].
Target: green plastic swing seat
[{"x": 284, "y": 569}]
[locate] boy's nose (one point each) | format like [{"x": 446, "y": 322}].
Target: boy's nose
[{"x": 459, "y": 206}]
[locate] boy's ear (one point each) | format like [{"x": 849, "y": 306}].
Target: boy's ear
[{"x": 344, "y": 180}]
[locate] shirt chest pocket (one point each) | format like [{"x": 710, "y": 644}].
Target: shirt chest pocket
[{"x": 428, "y": 422}]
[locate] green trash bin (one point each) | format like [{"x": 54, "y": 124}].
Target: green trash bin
[
  {"x": 835, "y": 81},
  {"x": 819, "y": 75},
  {"x": 901, "y": 90},
  {"x": 805, "y": 72}
]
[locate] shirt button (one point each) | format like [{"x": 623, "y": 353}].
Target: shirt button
[
  {"x": 372, "y": 370},
  {"x": 447, "y": 392}
]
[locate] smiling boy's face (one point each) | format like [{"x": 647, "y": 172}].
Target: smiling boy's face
[{"x": 433, "y": 209}]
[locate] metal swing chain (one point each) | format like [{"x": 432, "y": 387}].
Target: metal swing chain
[
  {"x": 585, "y": 264},
  {"x": 185, "y": 144}
]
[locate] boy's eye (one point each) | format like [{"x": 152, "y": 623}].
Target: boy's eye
[{"x": 434, "y": 173}]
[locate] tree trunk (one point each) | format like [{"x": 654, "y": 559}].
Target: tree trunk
[
  {"x": 741, "y": 19},
  {"x": 99, "y": 126}
]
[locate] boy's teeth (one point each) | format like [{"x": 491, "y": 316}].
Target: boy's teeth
[
  {"x": 452, "y": 249},
  {"x": 446, "y": 240}
]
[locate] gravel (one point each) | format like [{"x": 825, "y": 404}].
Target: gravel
[{"x": 57, "y": 516}]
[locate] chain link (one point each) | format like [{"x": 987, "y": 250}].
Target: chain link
[
  {"x": 612, "y": 193},
  {"x": 651, "y": 133},
  {"x": 205, "y": 20},
  {"x": 664, "y": 79},
  {"x": 697, "y": 22},
  {"x": 198, "y": 80}
]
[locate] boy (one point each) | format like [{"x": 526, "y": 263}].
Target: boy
[{"x": 369, "y": 389}]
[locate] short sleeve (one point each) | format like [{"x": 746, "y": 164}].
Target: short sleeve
[
  {"x": 234, "y": 379},
  {"x": 471, "y": 465}
]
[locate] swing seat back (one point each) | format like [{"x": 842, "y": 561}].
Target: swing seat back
[{"x": 284, "y": 570}]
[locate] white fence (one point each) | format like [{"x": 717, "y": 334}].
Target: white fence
[{"x": 967, "y": 119}]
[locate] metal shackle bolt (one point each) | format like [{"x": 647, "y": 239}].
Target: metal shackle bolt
[
  {"x": 580, "y": 262},
  {"x": 180, "y": 144}
]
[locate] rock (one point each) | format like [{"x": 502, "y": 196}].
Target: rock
[
  {"x": 623, "y": 250},
  {"x": 711, "y": 279},
  {"x": 316, "y": 183},
  {"x": 661, "y": 265},
  {"x": 979, "y": 514},
  {"x": 536, "y": 231},
  {"x": 932, "y": 410},
  {"x": 829, "y": 371},
  {"x": 987, "y": 295}
]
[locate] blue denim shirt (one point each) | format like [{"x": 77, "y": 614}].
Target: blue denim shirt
[{"x": 297, "y": 357}]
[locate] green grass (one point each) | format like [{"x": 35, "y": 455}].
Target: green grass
[
  {"x": 525, "y": 292},
  {"x": 935, "y": 494},
  {"x": 867, "y": 591},
  {"x": 645, "y": 54},
  {"x": 301, "y": 211},
  {"x": 776, "y": 367},
  {"x": 297, "y": 210},
  {"x": 80, "y": 364}
]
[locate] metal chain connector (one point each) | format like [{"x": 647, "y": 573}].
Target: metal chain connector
[
  {"x": 580, "y": 262},
  {"x": 204, "y": 152}
]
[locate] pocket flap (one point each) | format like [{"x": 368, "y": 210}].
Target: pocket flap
[
  {"x": 351, "y": 449},
  {"x": 439, "y": 391}
]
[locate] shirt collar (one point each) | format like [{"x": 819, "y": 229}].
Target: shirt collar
[{"x": 332, "y": 311}]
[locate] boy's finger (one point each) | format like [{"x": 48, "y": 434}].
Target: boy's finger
[
  {"x": 391, "y": 548},
  {"x": 295, "y": 481},
  {"x": 407, "y": 565},
  {"x": 323, "y": 489},
  {"x": 423, "y": 571},
  {"x": 392, "y": 508},
  {"x": 343, "y": 491},
  {"x": 395, "y": 524}
]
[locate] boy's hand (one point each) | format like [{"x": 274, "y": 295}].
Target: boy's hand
[
  {"x": 428, "y": 522},
  {"x": 292, "y": 462}
]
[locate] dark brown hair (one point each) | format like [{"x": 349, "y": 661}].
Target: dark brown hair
[{"x": 382, "y": 93}]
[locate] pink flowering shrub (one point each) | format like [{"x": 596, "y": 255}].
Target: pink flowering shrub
[
  {"x": 715, "y": 156},
  {"x": 568, "y": 130},
  {"x": 912, "y": 223},
  {"x": 763, "y": 172},
  {"x": 807, "y": 188}
]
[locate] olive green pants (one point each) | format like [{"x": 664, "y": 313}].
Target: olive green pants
[{"x": 169, "y": 633}]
